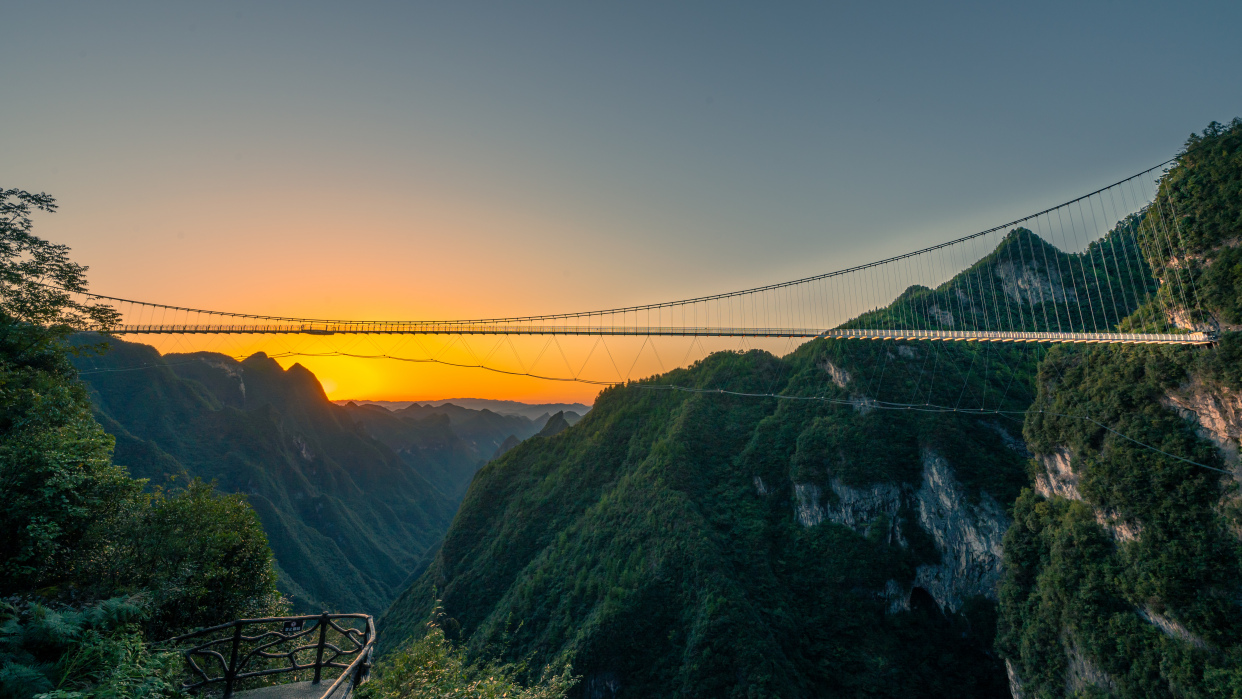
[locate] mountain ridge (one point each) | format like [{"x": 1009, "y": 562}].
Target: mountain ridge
[
  {"x": 346, "y": 517},
  {"x": 503, "y": 407}
]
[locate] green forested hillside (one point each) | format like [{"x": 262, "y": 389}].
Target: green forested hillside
[
  {"x": 1042, "y": 289},
  {"x": 658, "y": 544},
  {"x": 347, "y": 518},
  {"x": 697, "y": 543},
  {"x": 446, "y": 444},
  {"x": 1123, "y": 567}
]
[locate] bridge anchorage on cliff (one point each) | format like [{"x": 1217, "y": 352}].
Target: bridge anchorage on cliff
[{"x": 1108, "y": 267}]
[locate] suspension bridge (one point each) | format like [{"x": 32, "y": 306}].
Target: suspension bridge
[{"x": 1108, "y": 267}]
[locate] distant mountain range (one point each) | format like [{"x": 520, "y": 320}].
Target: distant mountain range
[
  {"x": 353, "y": 497},
  {"x": 533, "y": 411},
  {"x": 439, "y": 439}
]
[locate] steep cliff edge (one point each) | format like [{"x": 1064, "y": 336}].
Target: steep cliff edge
[
  {"x": 1123, "y": 568},
  {"x": 967, "y": 537}
]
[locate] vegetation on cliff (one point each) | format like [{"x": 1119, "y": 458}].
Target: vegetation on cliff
[
  {"x": 700, "y": 543},
  {"x": 432, "y": 667},
  {"x": 92, "y": 565},
  {"x": 657, "y": 546},
  {"x": 1129, "y": 586}
]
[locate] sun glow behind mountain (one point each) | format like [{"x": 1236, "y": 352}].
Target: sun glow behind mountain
[{"x": 349, "y": 366}]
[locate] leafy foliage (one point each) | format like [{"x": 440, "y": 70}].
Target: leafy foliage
[
  {"x": 1202, "y": 211},
  {"x": 75, "y": 653},
  {"x": 56, "y": 474},
  {"x": 37, "y": 278},
  {"x": 55, "y": 469},
  {"x": 76, "y": 529},
  {"x": 431, "y": 667},
  {"x": 199, "y": 557}
]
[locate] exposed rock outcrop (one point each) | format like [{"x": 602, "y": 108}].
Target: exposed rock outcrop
[
  {"x": 807, "y": 509},
  {"x": 1171, "y": 627},
  {"x": 1026, "y": 284},
  {"x": 1013, "y": 443},
  {"x": 1081, "y": 673},
  {"x": 1058, "y": 478},
  {"x": 860, "y": 509},
  {"x": 838, "y": 375},
  {"x": 944, "y": 317},
  {"x": 908, "y": 352},
  {"x": 897, "y": 597},
  {"x": 1015, "y": 682},
  {"x": 304, "y": 449},
  {"x": 1218, "y": 413},
  {"x": 968, "y": 536}
]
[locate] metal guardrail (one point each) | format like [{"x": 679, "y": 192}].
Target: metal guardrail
[{"x": 226, "y": 660}]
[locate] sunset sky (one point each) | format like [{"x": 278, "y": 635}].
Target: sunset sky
[{"x": 431, "y": 160}]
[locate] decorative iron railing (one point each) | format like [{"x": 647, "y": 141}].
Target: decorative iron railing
[{"x": 230, "y": 656}]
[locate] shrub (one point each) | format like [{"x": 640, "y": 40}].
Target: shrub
[
  {"x": 431, "y": 667},
  {"x": 201, "y": 557},
  {"x": 75, "y": 653}
]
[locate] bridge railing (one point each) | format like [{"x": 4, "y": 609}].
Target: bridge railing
[
  {"x": 1195, "y": 337},
  {"x": 247, "y": 652}
]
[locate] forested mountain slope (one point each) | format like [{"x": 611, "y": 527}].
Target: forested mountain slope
[
  {"x": 1124, "y": 567},
  {"x": 678, "y": 543},
  {"x": 347, "y": 518},
  {"x": 446, "y": 443},
  {"x": 696, "y": 543}
]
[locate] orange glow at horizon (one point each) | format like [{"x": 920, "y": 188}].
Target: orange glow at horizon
[{"x": 352, "y": 377}]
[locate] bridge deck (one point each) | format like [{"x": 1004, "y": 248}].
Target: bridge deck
[{"x": 1189, "y": 338}]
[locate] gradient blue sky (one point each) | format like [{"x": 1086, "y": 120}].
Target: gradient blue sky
[{"x": 413, "y": 160}]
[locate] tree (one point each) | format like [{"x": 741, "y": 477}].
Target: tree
[
  {"x": 74, "y": 521},
  {"x": 56, "y": 471},
  {"x": 198, "y": 556},
  {"x": 37, "y": 279}
]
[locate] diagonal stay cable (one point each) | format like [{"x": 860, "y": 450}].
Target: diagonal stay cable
[{"x": 666, "y": 304}]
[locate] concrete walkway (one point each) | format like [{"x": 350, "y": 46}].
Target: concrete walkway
[{"x": 296, "y": 690}]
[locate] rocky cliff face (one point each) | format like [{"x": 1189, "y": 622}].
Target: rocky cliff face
[
  {"x": 1058, "y": 478},
  {"x": 1122, "y": 571},
  {"x": 968, "y": 536},
  {"x": 1216, "y": 412},
  {"x": 1032, "y": 285},
  {"x": 860, "y": 509}
]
